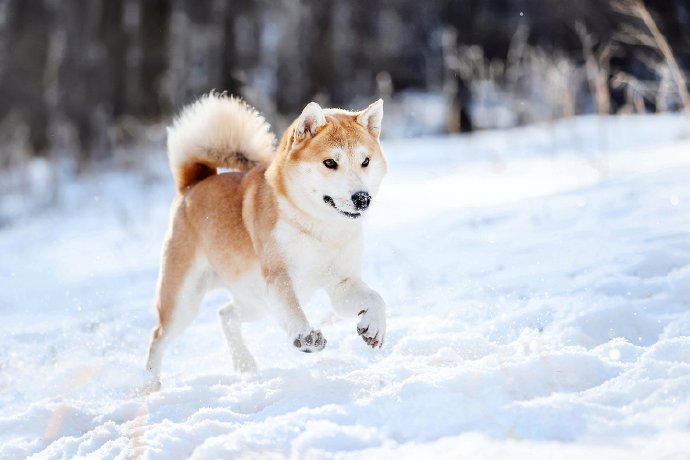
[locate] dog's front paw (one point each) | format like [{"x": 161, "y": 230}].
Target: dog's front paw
[
  {"x": 313, "y": 341},
  {"x": 372, "y": 327}
]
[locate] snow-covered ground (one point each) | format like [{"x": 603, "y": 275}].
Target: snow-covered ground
[{"x": 538, "y": 286}]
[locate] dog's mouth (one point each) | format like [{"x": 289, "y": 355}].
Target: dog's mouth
[{"x": 329, "y": 201}]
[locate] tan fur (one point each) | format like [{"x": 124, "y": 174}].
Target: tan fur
[{"x": 224, "y": 227}]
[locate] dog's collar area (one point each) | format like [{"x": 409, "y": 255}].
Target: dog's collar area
[{"x": 329, "y": 201}]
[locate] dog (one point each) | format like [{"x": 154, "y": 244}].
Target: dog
[{"x": 278, "y": 225}]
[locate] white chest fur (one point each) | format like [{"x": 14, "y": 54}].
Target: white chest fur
[{"x": 318, "y": 256}]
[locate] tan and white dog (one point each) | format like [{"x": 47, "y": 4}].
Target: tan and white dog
[{"x": 284, "y": 225}]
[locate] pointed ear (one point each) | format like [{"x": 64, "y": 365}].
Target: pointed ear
[
  {"x": 311, "y": 120},
  {"x": 371, "y": 118}
]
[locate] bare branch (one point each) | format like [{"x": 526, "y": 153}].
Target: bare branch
[
  {"x": 596, "y": 68},
  {"x": 637, "y": 9}
]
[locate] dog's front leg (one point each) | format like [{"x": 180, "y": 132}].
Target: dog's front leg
[
  {"x": 352, "y": 297},
  {"x": 287, "y": 310}
]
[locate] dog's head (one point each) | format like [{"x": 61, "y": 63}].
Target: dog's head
[{"x": 333, "y": 162}]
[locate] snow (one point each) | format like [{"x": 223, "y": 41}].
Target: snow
[{"x": 538, "y": 287}]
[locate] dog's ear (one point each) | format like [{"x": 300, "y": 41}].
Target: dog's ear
[
  {"x": 309, "y": 123},
  {"x": 371, "y": 118}
]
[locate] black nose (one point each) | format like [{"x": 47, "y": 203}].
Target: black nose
[{"x": 361, "y": 200}]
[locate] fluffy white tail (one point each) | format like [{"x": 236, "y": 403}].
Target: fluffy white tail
[{"x": 217, "y": 131}]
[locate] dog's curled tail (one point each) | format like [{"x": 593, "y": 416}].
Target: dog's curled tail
[{"x": 217, "y": 131}]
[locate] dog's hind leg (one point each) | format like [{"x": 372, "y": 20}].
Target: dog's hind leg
[
  {"x": 183, "y": 283},
  {"x": 231, "y": 322},
  {"x": 248, "y": 304}
]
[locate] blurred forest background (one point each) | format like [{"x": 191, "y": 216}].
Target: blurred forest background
[{"x": 81, "y": 80}]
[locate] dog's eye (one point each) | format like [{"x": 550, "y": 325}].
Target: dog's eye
[
  {"x": 330, "y": 164},
  {"x": 365, "y": 163}
]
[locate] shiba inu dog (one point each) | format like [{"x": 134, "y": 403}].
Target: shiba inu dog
[{"x": 285, "y": 223}]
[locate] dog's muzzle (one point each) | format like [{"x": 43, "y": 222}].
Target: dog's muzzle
[{"x": 329, "y": 201}]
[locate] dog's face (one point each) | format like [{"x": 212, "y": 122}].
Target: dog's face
[{"x": 335, "y": 163}]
